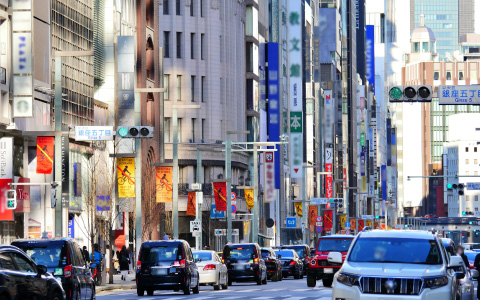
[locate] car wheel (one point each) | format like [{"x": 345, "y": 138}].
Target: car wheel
[
  {"x": 196, "y": 289},
  {"x": 56, "y": 295},
  {"x": 311, "y": 282},
  {"x": 265, "y": 280},
  {"x": 225, "y": 286},
  {"x": 301, "y": 276},
  {"x": 3, "y": 297},
  {"x": 279, "y": 275},
  {"x": 140, "y": 292},
  {"x": 327, "y": 282},
  {"x": 186, "y": 289},
  {"x": 259, "y": 279},
  {"x": 150, "y": 292},
  {"x": 274, "y": 277},
  {"x": 216, "y": 287},
  {"x": 296, "y": 275},
  {"x": 230, "y": 282}
]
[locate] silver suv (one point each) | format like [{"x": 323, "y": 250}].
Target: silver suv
[{"x": 394, "y": 264}]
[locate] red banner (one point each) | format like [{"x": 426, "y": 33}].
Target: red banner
[
  {"x": 312, "y": 214},
  {"x": 220, "y": 190},
  {"x": 191, "y": 211},
  {"x": 361, "y": 225},
  {"x": 45, "y": 151},
  {"x": 328, "y": 219},
  {"x": 5, "y": 214},
  {"x": 23, "y": 196},
  {"x": 329, "y": 181}
]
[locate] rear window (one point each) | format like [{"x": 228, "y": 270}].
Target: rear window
[
  {"x": 203, "y": 256},
  {"x": 329, "y": 245},
  {"x": 299, "y": 249},
  {"x": 164, "y": 252},
  {"x": 239, "y": 253},
  {"x": 471, "y": 255},
  {"x": 285, "y": 253},
  {"x": 50, "y": 254}
]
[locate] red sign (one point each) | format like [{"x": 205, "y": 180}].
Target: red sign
[
  {"x": 191, "y": 211},
  {"x": 220, "y": 189},
  {"x": 328, "y": 219},
  {"x": 312, "y": 213},
  {"x": 23, "y": 196},
  {"x": 361, "y": 225},
  {"x": 5, "y": 214},
  {"x": 45, "y": 150},
  {"x": 329, "y": 181},
  {"x": 345, "y": 174}
]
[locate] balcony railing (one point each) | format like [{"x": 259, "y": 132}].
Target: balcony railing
[{"x": 3, "y": 75}]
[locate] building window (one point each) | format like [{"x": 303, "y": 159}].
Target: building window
[
  {"x": 382, "y": 28},
  {"x": 249, "y": 57},
  {"x": 165, "y": 7},
  {"x": 202, "y": 96},
  {"x": 179, "y": 87},
  {"x": 475, "y": 172},
  {"x": 192, "y": 45},
  {"x": 193, "y": 130},
  {"x": 449, "y": 75},
  {"x": 476, "y": 199},
  {"x": 191, "y": 8},
  {"x": 436, "y": 75},
  {"x": 466, "y": 161},
  {"x": 202, "y": 8},
  {"x": 474, "y": 149},
  {"x": 178, "y": 8},
  {"x": 416, "y": 47},
  {"x": 460, "y": 75},
  {"x": 475, "y": 161},
  {"x": 467, "y": 198},
  {"x": 425, "y": 47},
  {"x": 166, "y": 128},
  {"x": 467, "y": 172},
  {"x": 179, "y": 45},
  {"x": 203, "y": 130},
  {"x": 179, "y": 130},
  {"x": 166, "y": 84},
  {"x": 202, "y": 44},
  {"x": 192, "y": 88},
  {"x": 466, "y": 149},
  {"x": 166, "y": 44}
]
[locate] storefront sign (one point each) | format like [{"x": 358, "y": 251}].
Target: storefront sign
[{"x": 6, "y": 157}]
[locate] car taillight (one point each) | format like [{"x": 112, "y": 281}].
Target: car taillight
[
  {"x": 313, "y": 262},
  {"x": 223, "y": 261},
  {"x": 255, "y": 261},
  {"x": 139, "y": 265},
  {"x": 182, "y": 264},
  {"x": 292, "y": 262},
  {"x": 209, "y": 267},
  {"x": 67, "y": 271}
]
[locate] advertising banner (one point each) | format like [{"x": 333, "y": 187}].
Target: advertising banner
[
  {"x": 249, "y": 198},
  {"x": 370, "y": 55},
  {"x": 65, "y": 146},
  {"x": 328, "y": 219},
  {"x": 274, "y": 106},
  {"x": 329, "y": 168},
  {"x": 23, "y": 195},
  {"x": 5, "y": 214},
  {"x": 163, "y": 183},
  {"x": 126, "y": 177},
  {"x": 71, "y": 226},
  {"x": 329, "y": 116},
  {"x": 343, "y": 220},
  {"x": 103, "y": 203},
  {"x": 6, "y": 158},
  {"x": 191, "y": 211},
  {"x": 126, "y": 79},
  {"x": 353, "y": 224},
  {"x": 298, "y": 208},
  {"x": 383, "y": 174},
  {"x": 45, "y": 151},
  {"x": 312, "y": 215},
  {"x": 361, "y": 225},
  {"x": 269, "y": 185},
  {"x": 219, "y": 189}
]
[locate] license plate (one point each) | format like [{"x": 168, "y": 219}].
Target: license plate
[
  {"x": 159, "y": 271},
  {"x": 239, "y": 267},
  {"x": 328, "y": 270}
]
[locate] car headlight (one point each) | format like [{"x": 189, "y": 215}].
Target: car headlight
[
  {"x": 348, "y": 279},
  {"x": 435, "y": 282}
]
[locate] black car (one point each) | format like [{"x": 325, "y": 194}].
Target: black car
[
  {"x": 63, "y": 258},
  {"x": 303, "y": 252},
  {"x": 292, "y": 265},
  {"x": 166, "y": 265},
  {"x": 244, "y": 263},
  {"x": 273, "y": 264},
  {"x": 21, "y": 278}
]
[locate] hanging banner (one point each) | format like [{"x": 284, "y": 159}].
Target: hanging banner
[
  {"x": 249, "y": 198},
  {"x": 312, "y": 215},
  {"x": 269, "y": 187},
  {"x": 191, "y": 204},
  {"x": 329, "y": 168},
  {"x": 220, "y": 189},
  {"x": 5, "y": 214},
  {"x": 343, "y": 220},
  {"x": 329, "y": 116},
  {"x": 353, "y": 224},
  {"x": 361, "y": 225},
  {"x": 23, "y": 195},
  {"x": 328, "y": 219},
  {"x": 103, "y": 203},
  {"x": 163, "y": 182},
  {"x": 298, "y": 208},
  {"x": 126, "y": 177},
  {"x": 6, "y": 157},
  {"x": 273, "y": 92},
  {"x": 65, "y": 145},
  {"x": 45, "y": 151}
]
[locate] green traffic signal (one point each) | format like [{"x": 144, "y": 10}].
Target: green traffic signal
[
  {"x": 10, "y": 204},
  {"x": 464, "y": 213},
  {"x": 123, "y": 131},
  {"x": 377, "y": 217},
  {"x": 449, "y": 186},
  {"x": 396, "y": 93}
]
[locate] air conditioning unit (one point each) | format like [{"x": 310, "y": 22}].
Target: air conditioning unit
[{"x": 195, "y": 186}]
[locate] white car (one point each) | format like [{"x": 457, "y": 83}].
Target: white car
[
  {"x": 211, "y": 269},
  {"x": 394, "y": 264}
]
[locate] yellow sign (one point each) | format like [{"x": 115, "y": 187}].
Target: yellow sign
[
  {"x": 298, "y": 207},
  {"x": 343, "y": 220},
  {"x": 126, "y": 177},
  {"x": 249, "y": 198},
  {"x": 163, "y": 183},
  {"x": 369, "y": 223}
]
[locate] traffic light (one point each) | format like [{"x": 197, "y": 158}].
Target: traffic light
[
  {"x": 467, "y": 213},
  {"x": 338, "y": 202},
  {"x": 11, "y": 196},
  {"x": 380, "y": 217},
  {"x": 411, "y": 93},
  {"x": 460, "y": 187},
  {"x": 449, "y": 186},
  {"x": 135, "y": 131}
]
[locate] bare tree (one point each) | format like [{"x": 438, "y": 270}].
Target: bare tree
[{"x": 151, "y": 209}]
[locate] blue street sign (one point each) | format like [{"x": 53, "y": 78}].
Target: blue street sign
[
  {"x": 214, "y": 214},
  {"x": 319, "y": 229},
  {"x": 347, "y": 224},
  {"x": 473, "y": 185},
  {"x": 234, "y": 209},
  {"x": 291, "y": 222}
]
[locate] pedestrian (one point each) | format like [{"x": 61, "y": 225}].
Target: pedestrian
[
  {"x": 86, "y": 255},
  {"x": 476, "y": 265},
  {"x": 130, "y": 257},
  {"x": 460, "y": 252},
  {"x": 165, "y": 237},
  {"x": 124, "y": 262}
]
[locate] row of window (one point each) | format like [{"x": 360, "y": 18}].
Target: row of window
[
  {"x": 193, "y": 79},
  {"x": 179, "y": 43},
  {"x": 192, "y": 139},
  {"x": 475, "y": 162},
  {"x": 178, "y": 7},
  {"x": 461, "y": 75}
]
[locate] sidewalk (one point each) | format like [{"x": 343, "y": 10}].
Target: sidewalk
[{"x": 118, "y": 284}]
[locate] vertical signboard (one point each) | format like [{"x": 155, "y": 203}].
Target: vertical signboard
[
  {"x": 219, "y": 189},
  {"x": 328, "y": 219},
  {"x": 370, "y": 55},
  {"x": 126, "y": 177},
  {"x": 383, "y": 174},
  {"x": 65, "y": 171},
  {"x": 329, "y": 117},
  {"x": 71, "y": 226},
  {"x": 45, "y": 151},
  {"x": 163, "y": 184},
  {"x": 329, "y": 168},
  {"x": 126, "y": 78},
  {"x": 294, "y": 71},
  {"x": 191, "y": 211},
  {"x": 6, "y": 175},
  {"x": 316, "y": 46},
  {"x": 249, "y": 198},
  {"x": 269, "y": 185},
  {"x": 274, "y": 106}
]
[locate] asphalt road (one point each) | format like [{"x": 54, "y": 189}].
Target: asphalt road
[{"x": 288, "y": 289}]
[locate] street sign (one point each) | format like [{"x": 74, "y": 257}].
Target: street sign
[
  {"x": 195, "y": 226},
  {"x": 458, "y": 94},
  {"x": 317, "y": 201},
  {"x": 367, "y": 217},
  {"x": 214, "y": 214},
  {"x": 196, "y": 233},
  {"x": 291, "y": 222},
  {"x": 319, "y": 224},
  {"x": 234, "y": 209},
  {"x": 319, "y": 229},
  {"x": 347, "y": 231},
  {"x": 270, "y": 232},
  {"x": 347, "y": 224},
  {"x": 94, "y": 133},
  {"x": 319, "y": 218},
  {"x": 473, "y": 185},
  {"x": 234, "y": 196}
]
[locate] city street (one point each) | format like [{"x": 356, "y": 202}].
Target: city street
[{"x": 288, "y": 289}]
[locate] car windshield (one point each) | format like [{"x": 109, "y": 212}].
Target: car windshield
[
  {"x": 239, "y": 253},
  {"x": 300, "y": 250},
  {"x": 166, "y": 252},
  {"x": 396, "y": 250},
  {"x": 329, "y": 245},
  {"x": 285, "y": 253},
  {"x": 52, "y": 255},
  {"x": 471, "y": 255},
  {"x": 203, "y": 256}
]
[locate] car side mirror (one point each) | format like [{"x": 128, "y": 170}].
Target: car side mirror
[
  {"x": 459, "y": 275},
  {"x": 474, "y": 273},
  {"x": 41, "y": 269},
  {"x": 335, "y": 257},
  {"x": 455, "y": 262}
]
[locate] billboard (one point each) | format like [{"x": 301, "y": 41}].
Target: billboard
[
  {"x": 274, "y": 106},
  {"x": 370, "y": 55},
  {"x": 126, "y": 78},
  {"x": 329, "y": 116}
]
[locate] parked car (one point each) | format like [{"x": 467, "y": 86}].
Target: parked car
[
  {"x": 303, "y": 252},
  {"x": 320, "y": 267},
  {"x": 472, "y": 246},
  {"x": 274, "y": 265},
  {"x": 394, "y": 264},
  {"x": 471, "y": 258},
  {"x": 244, "y": 263},
  {"x": 166, "y": 265},
  {"x": 21, "y": 278},
  {"x": 292, "y": 265},
  {"x": 466, "y": 290},
  {"x": 63, "y": 258},
  {"x": 211, "y": 269}
]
